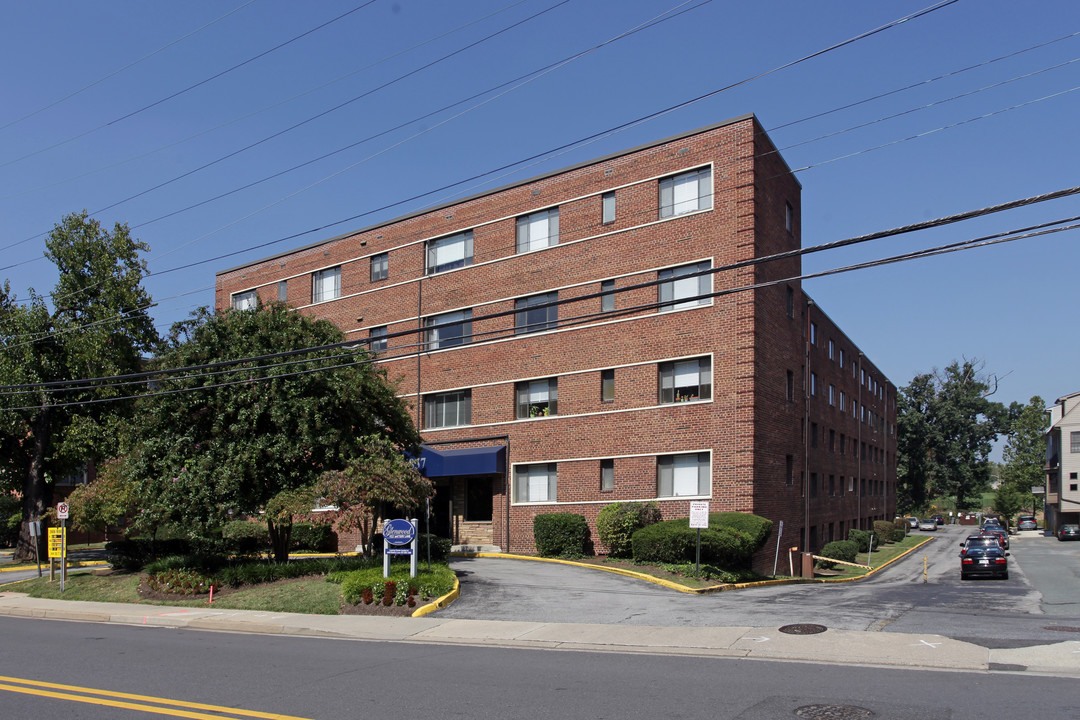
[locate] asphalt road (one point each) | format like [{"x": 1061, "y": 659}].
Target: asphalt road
[
  {"x": 991, "y": 613},
  {"x": 328, "y": 679}
]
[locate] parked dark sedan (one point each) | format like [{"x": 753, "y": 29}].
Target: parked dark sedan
[
  {"x": 997, "y": 532},
  {"x": 984, "y": 560},
  {"x": 1068, "y": 532},
  {"x": 939, "y": 519}
]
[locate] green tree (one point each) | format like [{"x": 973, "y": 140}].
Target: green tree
[
  {"x": 946, "y": 426},
  {"x": 381, "y": 478},
  {"x": 1024, "y": 454},
  {"x": 207, "y": 444},
  {"x": 94, "y": 324},
  {"x": 1007, "y": 502},
  {"x": 104, "y": 503}
]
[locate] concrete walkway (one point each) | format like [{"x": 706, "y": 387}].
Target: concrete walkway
[{"x": 844, "y": 647}]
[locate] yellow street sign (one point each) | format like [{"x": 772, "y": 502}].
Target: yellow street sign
[{"x": 56, "y": 543}]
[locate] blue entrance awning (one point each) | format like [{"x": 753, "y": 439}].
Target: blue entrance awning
[{"x": 462, "y": 461}]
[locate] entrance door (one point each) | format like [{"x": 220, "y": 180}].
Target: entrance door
[{"x": 442, "y": 511}]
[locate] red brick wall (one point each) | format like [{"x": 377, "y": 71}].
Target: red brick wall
[{"x": 749, "y": 426}]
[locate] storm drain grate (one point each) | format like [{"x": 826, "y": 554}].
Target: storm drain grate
[
  {"x": 833, "y": 712},
  {"x": 803, "y": 629},
  {"x": 1062, "y": 628}
]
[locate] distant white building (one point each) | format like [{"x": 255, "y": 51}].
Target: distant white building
[{"x": 1063, "y": 462}]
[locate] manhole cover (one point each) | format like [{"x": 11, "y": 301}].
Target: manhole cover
[
  {"x": 803, "y": 629},
  {"x": 833, "y": 712},
  {"x": 1062, "y": 628}
]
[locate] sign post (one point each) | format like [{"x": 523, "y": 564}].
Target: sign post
[
  {"x": 776, "y": 556},
  {"x": 62, "y": 513},
  {"x": 399, "y": 533},
  {"x": 699, "y": 518},
  {"x": 35, "y": 533}
]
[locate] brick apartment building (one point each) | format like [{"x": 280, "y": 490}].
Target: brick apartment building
[{"x": 565, "y": 345}]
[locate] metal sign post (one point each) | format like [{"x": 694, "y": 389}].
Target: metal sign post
[
  {"x": 35, "y": 533},
  {"x": 776, "y": 557},
  {"x": 699, "y": 518},
  {"x": 62, "y": 513}
]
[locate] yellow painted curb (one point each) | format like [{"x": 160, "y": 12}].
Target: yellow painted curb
[
  {"x": 879, "y": 567},
  {"x": 71, "y": 565},
  {"x": 441, "y": 602}
]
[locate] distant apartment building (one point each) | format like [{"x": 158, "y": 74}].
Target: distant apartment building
[
  {"x": 608, "y": 332},
  {"x": 1063, "y": 462}
]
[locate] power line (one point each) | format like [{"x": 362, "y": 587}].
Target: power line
[{"x": 189, "y": 87}]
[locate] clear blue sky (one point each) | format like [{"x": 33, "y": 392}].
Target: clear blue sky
[{"x": 133, "y": 125}]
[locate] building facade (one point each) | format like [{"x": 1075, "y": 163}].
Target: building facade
[
  {"x": 1063, "y": 462},
  {"x": 612, "y": 332}
]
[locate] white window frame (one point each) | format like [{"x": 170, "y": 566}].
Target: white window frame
[
  {"x": 683, "y": 475},
  {"x": 686, "y": 192},
  {"x": 536, "y": 483},
  {"x": 674, "y": 287},
  {"x": 449, "y": 252},
  {"x": 380, "y": 266},
  {"x": 527, "y": 317},
  {"x": 438, "y": 329},
  {"x": 607, "y": 475},
  {"x": 538, "y": 230},
  {"x": 607, "y": 212},
  {"x": 448, "y": 409},
  {"x": 685, "y": 380},
  {"x": 247, "y": 300},
  {"x": 537, "y": 398},
  {"x": 326, "y": 284}
]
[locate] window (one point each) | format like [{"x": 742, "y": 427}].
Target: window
[
  {"x": 813, "y": 384},
  {"x": 813, "y": 484},
  {"x": 607, "y": 475},
  {"x": 607, "y": 386},
  {"x": 813, "y": 334},
  {"x": 449, "y": 409},
  {"x": 380, "y": 266},
  {"x": 687, "y": 192},
  {"x": 841, "y": 359},
  {"x": 1073, "y": 486},
  {"x": 450, "y": 252},
  {"x": 813, "y": 435},
  {"x": 843, "y": 443},
  {"x": 532, "y": 318},
  {"x": 832, "y": 441},
  {"x": 608, "y": 202},
  {"x": 682, "y": 475},
  {"x": 1074, "y": 442},
  {"x": 377, "y": 339},
  {"x": 686, "y": 380},
  {"x": 789, "y": 217},
  {"x": 832, "y": 348},
  {"x": 478, "y": 500},
  {"x": 448, "y": 329},
  {"x": 789, "y": 474},
  {"x": 832, "y": 395},
  {"x": 675, "y": 286},
  {"x": 537, "y": 398},
  {"x": 790, "y": 302},
  {"x": 326, "y": 284},
  {"x": 245, "y": 300},
  {"x": 283, "y": 291},
  {"x": 538, "y": 230},
  {"x": 790, "y": 386},
  {"x": 607, "y": 300},
  {"x": 843, "y": 401},
  {"x": 535, "y": 483}
]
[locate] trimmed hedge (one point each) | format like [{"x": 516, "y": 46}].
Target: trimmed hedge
[
  {"x": 884, "y": 530},
  {"x": 753, "y": 526},
  {"x": 617, "y": 523},
  {"x": 861, "y": 538},
  {"x": 898, "y": 535},
  {"x": 673, "y": 541},
  {"x": 560, "y": 534},
  {"x": 845, "y": 550},
  {"x": 317, "y": 537}
]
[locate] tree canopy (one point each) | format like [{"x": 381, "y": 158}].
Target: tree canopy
[
  {"x": 94, "y": 324},
  {"x": 216, "y": 441},
  {"x": 1024, "y": 454},
  {"x": 946, "y": 427}
]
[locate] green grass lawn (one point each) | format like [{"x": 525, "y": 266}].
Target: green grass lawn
[{"x": 884, "y": 554}]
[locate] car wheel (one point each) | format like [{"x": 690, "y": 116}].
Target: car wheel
[
  {"x": 963, "y": 576},
  {"x": 1005, "y": 576}
]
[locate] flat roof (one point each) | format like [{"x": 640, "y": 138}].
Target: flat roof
[{"x": 560, "y": 171}]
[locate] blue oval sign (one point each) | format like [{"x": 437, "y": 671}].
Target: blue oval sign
[{"x": 398, "y": 532}]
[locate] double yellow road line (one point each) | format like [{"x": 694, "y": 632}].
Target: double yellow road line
[{"x": 130, "y": 701}]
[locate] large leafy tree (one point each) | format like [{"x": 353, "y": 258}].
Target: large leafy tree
[
  {"x": 1024, "y": 454},
  {"x": 222, "y": 440},
  {"x": 946, "y": 427},
  {"x": 94, "y": 324}
]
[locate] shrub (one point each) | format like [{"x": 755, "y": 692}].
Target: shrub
[
  {"x": 674, "y": 542},
  {"x": 617, "y": 523},
  {"x": 845, "y": 550},
  {"x": 861, "y": 538},
  {"x": 560, "y": 534},
  {"x": 756, "y": 528},
  {"x": 440, "y": 548},
  {"x": 884, "y": 530},
  {"x": 317, "y": 537},
  {"x": 179, "y": 582},
  {"x": 898, "y": 534},
  {"x": 133, "y": 553}
]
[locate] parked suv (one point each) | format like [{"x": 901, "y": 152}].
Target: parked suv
[{"x": 1026, "y": 522}]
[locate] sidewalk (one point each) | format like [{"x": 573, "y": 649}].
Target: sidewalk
[{"x": 844, "y": 647}]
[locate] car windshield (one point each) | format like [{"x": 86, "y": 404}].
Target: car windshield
[{"x": 982, "y": 542}]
